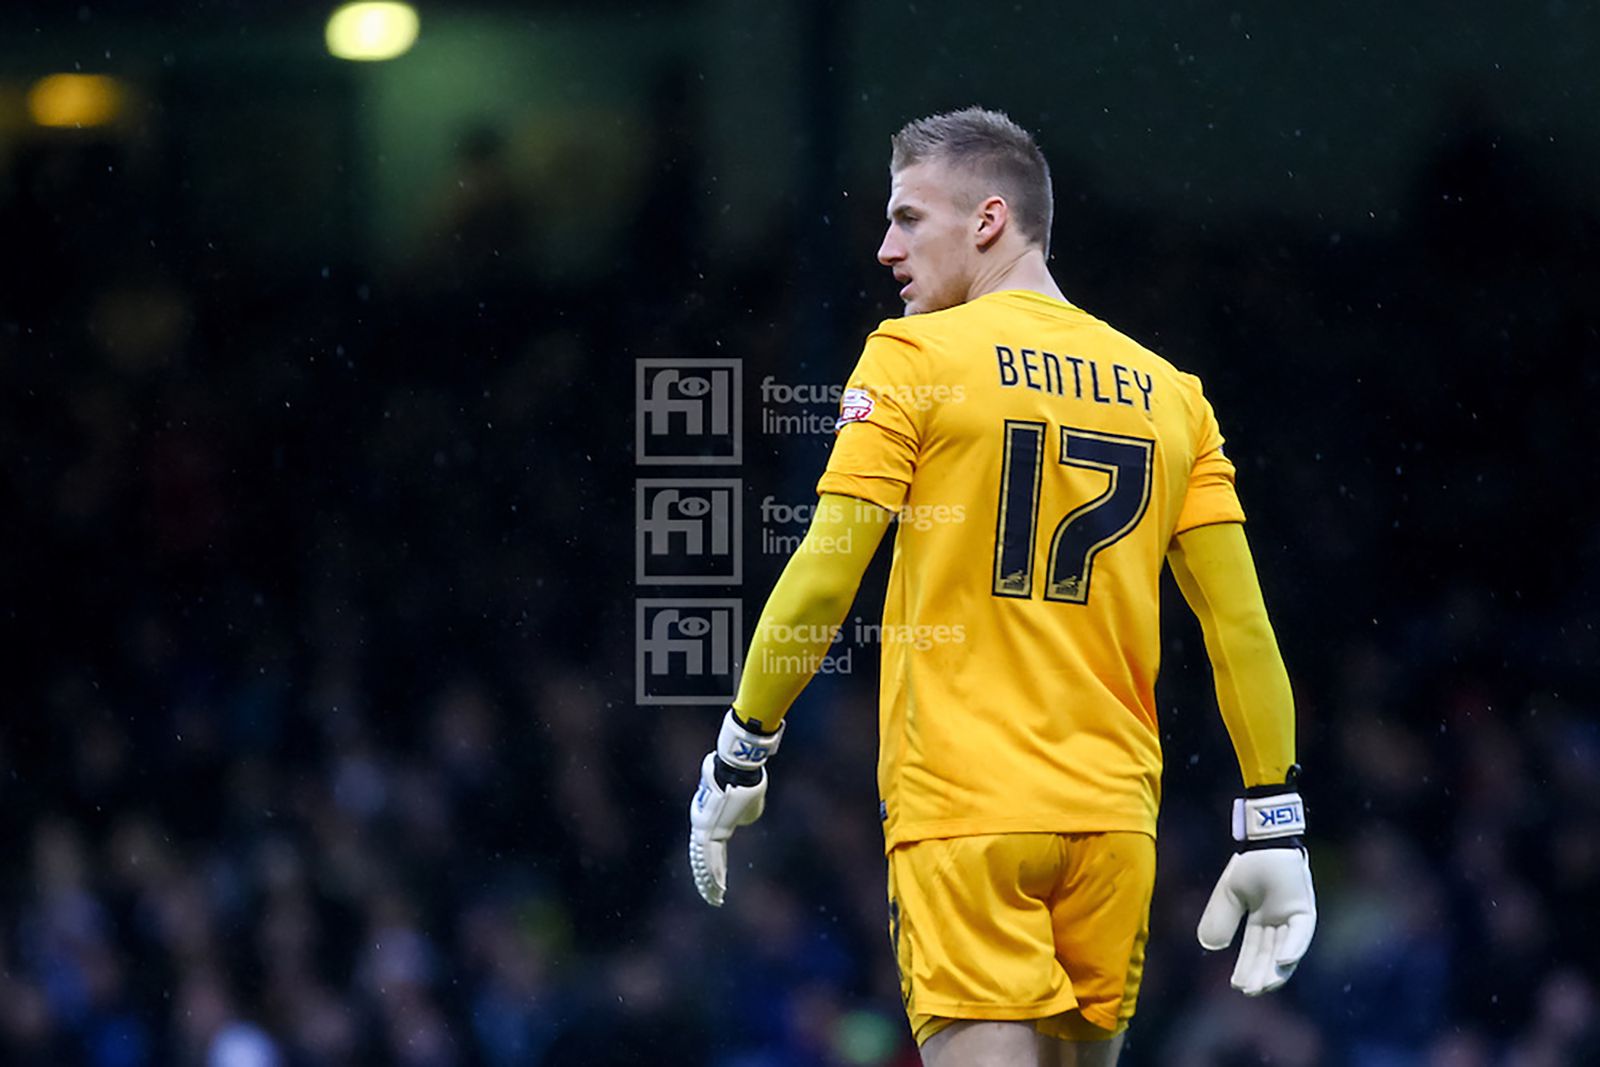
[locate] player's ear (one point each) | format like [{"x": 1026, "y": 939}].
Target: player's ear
[{"x": 991, "y": 216}]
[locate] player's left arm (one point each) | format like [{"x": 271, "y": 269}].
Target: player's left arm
[
  {"x": 868, "y": 477},
  {"x": 795, "y": 632},
  {"x": 1268, "y": 881},
  {"x": 807, "y": 606}
]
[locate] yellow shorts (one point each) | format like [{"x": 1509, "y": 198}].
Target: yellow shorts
[{"x": 1040, "y": 926}]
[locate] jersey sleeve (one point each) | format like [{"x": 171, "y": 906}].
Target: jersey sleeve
[
  {"x": 879, "y": 433},
  {"x": 1218, "y": 579},
  {"x": 1211, "y": 497}
]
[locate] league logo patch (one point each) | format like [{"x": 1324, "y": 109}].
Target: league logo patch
[{"x": 854, "y": 406}]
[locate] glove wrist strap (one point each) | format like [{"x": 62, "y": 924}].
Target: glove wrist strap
[
  {"x": 1269, "y": 820},
  {"x": 743, "y": 749}
]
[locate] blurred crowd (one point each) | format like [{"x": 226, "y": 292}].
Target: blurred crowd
[{"x": 320, "y": 744}]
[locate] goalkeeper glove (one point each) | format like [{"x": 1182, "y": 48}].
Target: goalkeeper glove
[
  {"x": 1268, "y": 884},
  {"x": 732, "y": 793}
]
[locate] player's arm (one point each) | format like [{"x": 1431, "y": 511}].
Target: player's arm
[
  {"x": 868, "y": 476},
  {"x": 806, "y": 608},
  {"x": 1217, "y": 575},
  {"x": 795, "y": 631},
  {"x": 1268, "y": 881}
]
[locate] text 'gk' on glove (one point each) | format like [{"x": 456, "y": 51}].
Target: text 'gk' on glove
[
  {"x": 1268, "y": 884},
  {"x": 732, "y": 793}
]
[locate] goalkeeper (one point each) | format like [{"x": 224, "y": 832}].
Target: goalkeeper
[{"x": 1045, "y": 467}]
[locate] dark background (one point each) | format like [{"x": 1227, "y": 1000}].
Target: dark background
[{"x": 316, "y": 409}]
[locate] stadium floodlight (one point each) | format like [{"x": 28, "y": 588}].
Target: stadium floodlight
[
  {"x": 372, "y": 30},
  {"x": 75, "y": 101}
]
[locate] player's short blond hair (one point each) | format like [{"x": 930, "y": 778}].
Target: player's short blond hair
[{"x": 989, "y": 146}]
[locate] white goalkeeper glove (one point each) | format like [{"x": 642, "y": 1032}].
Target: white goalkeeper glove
[
  {"x": 732, "y": 793},
  {"x": 1268, "y": 884}
]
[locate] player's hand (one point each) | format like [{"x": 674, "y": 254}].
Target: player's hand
[
  {"x": 732, "y": 793},
  {"x": 1268, "y": 886}
]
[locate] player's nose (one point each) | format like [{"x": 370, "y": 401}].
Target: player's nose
[{"x": 890, "y": 251}]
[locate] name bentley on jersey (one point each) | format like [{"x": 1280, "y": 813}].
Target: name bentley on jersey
[
  {"x": 1044, "y": 718},
  {"x": 1043, "y": 371}
]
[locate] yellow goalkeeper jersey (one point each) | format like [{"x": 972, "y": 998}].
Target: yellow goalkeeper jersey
[{"x": 1044, "y": 462}]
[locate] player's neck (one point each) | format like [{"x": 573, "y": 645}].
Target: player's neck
[{"x": 1025, "y": 270}]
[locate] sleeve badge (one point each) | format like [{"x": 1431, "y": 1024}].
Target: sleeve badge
[{"x": 854, "y": 406}]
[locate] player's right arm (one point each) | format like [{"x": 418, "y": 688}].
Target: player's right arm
[
  {"x": 1268, "y": 881},
  {"x": 1211, "y": 560},
  {"x": 1217, "y": 575}
]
